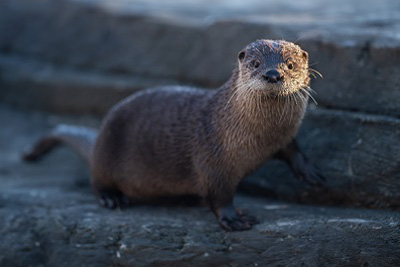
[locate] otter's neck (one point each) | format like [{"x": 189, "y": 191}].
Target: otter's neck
[
  {"x": 252, "y": 124},
  {"x": 251, "y": 107}
]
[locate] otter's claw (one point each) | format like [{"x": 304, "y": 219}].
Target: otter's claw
[
  {"x": 300, "y": 165},
  {"x": 308, "y": 172},
  {"x": 234, "y": 220},
  {"x": 112, "y": 200}
]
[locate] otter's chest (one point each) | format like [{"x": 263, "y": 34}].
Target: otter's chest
[
  {"x": 262, "y": 142},
  {"x": 250, "y": 146}
]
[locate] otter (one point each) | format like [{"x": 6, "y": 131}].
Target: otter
[{"x": 177, "y": 141}]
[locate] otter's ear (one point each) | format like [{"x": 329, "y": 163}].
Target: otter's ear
[
  {"x": 304, "y": 54},
  {"x": 241, "y": 55}
]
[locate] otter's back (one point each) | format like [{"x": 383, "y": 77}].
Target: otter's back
[{"x": 150, "y": 134}]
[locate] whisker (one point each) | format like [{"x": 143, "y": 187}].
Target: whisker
[
  {"x": 304, "y": 97},
  {"x": 294, "y": 100},
  {"x": 298, "y": 39},
  {"x": 312, "y": 74},
  {"x": 311, "y": 90},
  {"x": 283, "y": 109},
  {"x": 316, "y": 72},
  {"x": 291, "y": 108},
  {"x": 299, "y": 96},
  {"x": 235, "y": 91},
  {"x": 309, "y": 94}
]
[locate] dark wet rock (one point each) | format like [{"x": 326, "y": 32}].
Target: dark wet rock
[
  {"x": 357, "y": 153},
  {"x": 115, "y": 54},
  {"x": 82, "y": 56},
  {"x": 77, "y": 232},
  {"x": 31, "y": 84},
  {"x": 356, "y": 51},
  {"x": 359, "y": 74},
  {"x": 49, "y": 217}
]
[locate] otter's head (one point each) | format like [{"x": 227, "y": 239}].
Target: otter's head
[{"x": 276, "y": 68}]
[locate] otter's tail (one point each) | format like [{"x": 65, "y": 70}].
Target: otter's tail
[{"x": 81, "y": 139}]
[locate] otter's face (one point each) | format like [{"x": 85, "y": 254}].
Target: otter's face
[{"x": 278, "y": 68}]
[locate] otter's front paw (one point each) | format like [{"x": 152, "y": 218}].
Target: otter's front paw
[
  {"x": 234, "y": 220},
  {"x": 308, "y": 172}
]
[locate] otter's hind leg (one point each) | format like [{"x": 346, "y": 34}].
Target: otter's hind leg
[
  {"x": 109, "y": 193},
  {"x": 300, "y": 164},
  {"x": 112, "y": 199}
]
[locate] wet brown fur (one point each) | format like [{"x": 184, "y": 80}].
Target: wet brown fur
[
  {"x": 172, "y": 141},
  {"x": 179, "y": 140}
]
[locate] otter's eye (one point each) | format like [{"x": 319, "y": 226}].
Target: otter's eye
[
  {"x": 290, "y": 65},
  {"x": 241, "y": 55},
  {"x": 256, "y": 63}
]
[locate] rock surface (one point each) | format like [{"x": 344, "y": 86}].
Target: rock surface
[
  {"x": 49, "y": 217},
  {"x": 352, "y": 43},
  {"x": 82, "y": 56},
  {"x": 358, "y": 153}
]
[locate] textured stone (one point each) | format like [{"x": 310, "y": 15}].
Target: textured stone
[
  {"x": 359, "y": 75},
  {"x": 34, "y": 85},
  {"x": 49, "y": 217},
  {"x": 357, "y": 153},
  {"x": 82, "y": 56},
  {"x": 354, "y": 47},
  {"x": 37, "y": 232}
]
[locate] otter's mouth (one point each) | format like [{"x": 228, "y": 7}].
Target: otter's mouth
[
  {"x": 279, "y": 90},
  {"x": 284, "y": 93},
  {"x": 274, "y": 83}
]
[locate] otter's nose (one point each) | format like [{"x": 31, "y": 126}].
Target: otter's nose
[{"x": 272, "y": 76}]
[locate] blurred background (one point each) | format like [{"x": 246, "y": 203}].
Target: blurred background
[
  {"x": 69, "y": 61},
  {"x": 81, "y": 57}
]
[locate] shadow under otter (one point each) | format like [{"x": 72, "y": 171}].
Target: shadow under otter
[{"x": 179, "y": 142}]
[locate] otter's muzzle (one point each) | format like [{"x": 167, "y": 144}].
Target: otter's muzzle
[{"x": 272, "y": 76}]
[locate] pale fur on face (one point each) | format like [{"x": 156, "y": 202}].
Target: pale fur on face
[{"x": 285, "y": 57}]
